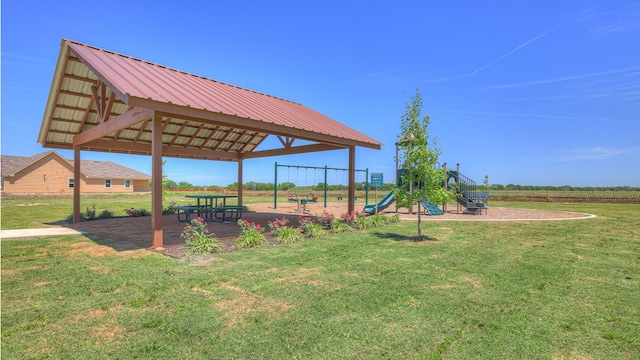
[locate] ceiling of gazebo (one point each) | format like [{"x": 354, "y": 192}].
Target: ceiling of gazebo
[{"x": 104, "y": 101}]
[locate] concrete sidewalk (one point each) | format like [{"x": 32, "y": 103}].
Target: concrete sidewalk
[{"x": 27, "y": 233}]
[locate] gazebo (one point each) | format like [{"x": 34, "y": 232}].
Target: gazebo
[{"x": 104, "y": 101}]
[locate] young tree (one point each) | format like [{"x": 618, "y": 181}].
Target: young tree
[{"x": 422, "y": 177}]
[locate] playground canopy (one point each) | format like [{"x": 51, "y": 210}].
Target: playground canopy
[{"x": 104, "y": 101}]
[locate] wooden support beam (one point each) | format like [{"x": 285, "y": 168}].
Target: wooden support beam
[
  {"x": 352, "y": 180},
  {"x": 287, "y": 141},
  {"x": 292, "y": 150},
  {"x": 120, "y": 122},
  {"x": 240, "y": 179},
  {"x": 145, "y": 149},
  {"x": 76, "y": 184},
  {"x": 156, "y": 183}
]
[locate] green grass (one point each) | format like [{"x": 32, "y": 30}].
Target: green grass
[{"x": 537, "y": 290}]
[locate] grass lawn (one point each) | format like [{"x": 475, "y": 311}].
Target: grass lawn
[{"x": 504, "y": 290}]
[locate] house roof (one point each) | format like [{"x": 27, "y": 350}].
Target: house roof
[
  {"x": 201, "y": 117},
  {"x": 11, "y": 165}
]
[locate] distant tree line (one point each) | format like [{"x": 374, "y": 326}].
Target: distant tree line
[
  {"x": 258, "y": 186},
  {"x": 289, "y": 186},
  {"x": 557, "y": 188}
]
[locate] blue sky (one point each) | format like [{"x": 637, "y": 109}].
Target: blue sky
[{"x": 526, "y": 92}]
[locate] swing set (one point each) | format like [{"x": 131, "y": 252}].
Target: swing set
[{"x": 310, "y": 198}]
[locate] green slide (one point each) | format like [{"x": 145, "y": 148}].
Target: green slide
[{"x": 370, "y": 209}]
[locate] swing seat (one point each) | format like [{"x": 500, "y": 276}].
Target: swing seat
[
  {"x": 293, "y": 197},
  {"x": 311, "y": 198}
]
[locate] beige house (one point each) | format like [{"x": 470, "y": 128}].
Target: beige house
[{"x": 50, "y": 173}]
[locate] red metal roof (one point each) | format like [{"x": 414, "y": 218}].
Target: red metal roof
[{"x": 144, "y": 84}]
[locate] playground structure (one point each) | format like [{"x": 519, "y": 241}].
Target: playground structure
[
  {"x": 309, "y": 197},
  {"x": 468, "y": 196}
]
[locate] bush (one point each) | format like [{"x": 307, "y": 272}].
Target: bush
[
  {"x": 90, "y": 213},
  {"x": 131, "y": 212},
  {"x": 105, "y": 214},
  {"x": 395, "y": 218},
  {"x": 362, "y": 221},
  {"x": 197, "y": 238},
  {"x": 348, "y": 218},
  {"x": 251, "y": 235},
  {"x": 171, "y": 209},
  {"x": 378, "y": 220},
  {"x": 288, "y": 235},
  {"x": 340, "y": 226},
  {"x": 326, "y": 219},
  {"x": 310, "y": 228},
  {"x": 283, "y": 232}
]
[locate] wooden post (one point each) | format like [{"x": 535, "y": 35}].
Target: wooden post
[
  {"x": 351, "y": 195},
  {"x": 76, "y": 184},
  {"x": 240, "y": 179},
  {"x": 156, "y": 179}
]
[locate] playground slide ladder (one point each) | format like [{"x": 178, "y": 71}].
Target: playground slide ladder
[{"x": 473, "y": 200}]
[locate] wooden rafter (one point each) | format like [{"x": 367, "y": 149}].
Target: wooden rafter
[
  {"x": 213, "y": 132},
  {"x": 195, "y": 134},
  {"x": 86, "y": 115},
  {"x": 224, "y": 139},
  {"x": 141, "y": 130},
  {"x": 178, "y": 133}
]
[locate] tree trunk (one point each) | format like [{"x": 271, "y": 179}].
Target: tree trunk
[{"x": 419, "y": 223}]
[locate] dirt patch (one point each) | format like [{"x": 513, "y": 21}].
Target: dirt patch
[{"x": 244, "y": 304}]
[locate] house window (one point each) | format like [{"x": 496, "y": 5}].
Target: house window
[
  {"x": 70, "y": 183},
  {"x": 107, "y": 183},
  {"x": 127, "y": 184}
]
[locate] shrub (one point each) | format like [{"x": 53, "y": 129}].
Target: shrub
[
  {"x": 288, "y": 235},
  {"x": 362, "y": 222},
  {"x": 106, "y": 214},
  {"x": 395, "y": 218},
  {"x": 90, "y": 213},
  {"x": 131, "y": 212},
  {"x": 340, "y": 226},
  {"x": 197, "y": 238},
  {"x": 315, "y": 230},
  {"x": 348, "y": 218},
  {"x": 283, "y": 232},
  {"x": 310, "y": 227},
  {"x": 378, "y": 220},
  {"x": 326, "y": 219},
  {"x": 171, "y": 209},
  {"x": 251, "y": 235}
]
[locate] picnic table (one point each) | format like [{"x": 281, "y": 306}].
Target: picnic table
[{"x": 212, "y": 207}]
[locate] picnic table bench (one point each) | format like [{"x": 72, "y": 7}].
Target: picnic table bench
[
  {"x": 186, "y": 210},
  {"x": 228, "y": 213}
]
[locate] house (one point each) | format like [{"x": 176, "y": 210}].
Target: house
[{"x": 50, "y": 173}]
